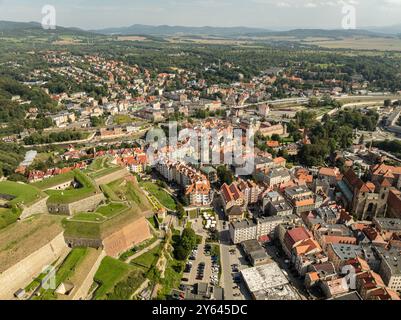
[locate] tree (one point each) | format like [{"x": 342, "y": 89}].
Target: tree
[
  {"x": 225, "y": 175},
  {"x": 188, "y": 239},
  {"x": 180, "y": 253},
  {"x": 186, "y": 243},
  {"x": 276, "y": 137},
  {"x": 180, "y": 211}
]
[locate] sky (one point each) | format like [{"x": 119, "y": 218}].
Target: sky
[{"x": 270, "y": 14}]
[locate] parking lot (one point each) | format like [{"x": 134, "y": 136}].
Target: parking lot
[
  {"x": 201, "y": 266},
  {"x": 237, "y": 263}
]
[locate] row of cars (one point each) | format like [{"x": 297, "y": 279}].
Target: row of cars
[{"x": 214, "y": 277}]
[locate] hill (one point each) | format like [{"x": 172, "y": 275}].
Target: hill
[
  {"x": 17, "y": 29},
  {"x": 165, "y": 30}
]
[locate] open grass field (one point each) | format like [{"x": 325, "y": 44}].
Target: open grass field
[
  {"x": 23, "y": 195},
  {"x": 84, "y": 228},
  {"x": 85, "y": 225},
  {"x": 102, "y": 213},
  {"x": 110, "y": 272},
  {"x": 161, "y": 195},
  {"x": 123, "y": 119},
  {"x": 87, "y": 189},
  {"x": 111, "y": 209},
  {"x": 148, "y": 260},
  {"x": 132, "y": 38},
  {"x": 92, "y": 217},
  {"x": 54, "y": 181},
  {"x": 109, "y": 193}
]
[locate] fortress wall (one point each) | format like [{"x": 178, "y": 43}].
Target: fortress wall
[
  {"x": 130, "y": 235},
  {"x": 84, "y": 205},
  {"x": 58, "y": 208},
  {"x": 87, "y": 204},
  {"x": 38, "y": 207},
  {"x": 82, "y": 242},
  {"x": 62, "y": 186},
  {"x": 22, "y": 273},
  {"x": 82, "y": 292},
  {"x": 112, "y": 176}
]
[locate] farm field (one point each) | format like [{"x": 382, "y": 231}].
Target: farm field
[{"x": 380, "y": 44}]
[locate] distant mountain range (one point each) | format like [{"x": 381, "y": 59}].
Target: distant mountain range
[
  {"x": 394, "y": 30},
  {"x": 8, "y": 28},
  {"x": 164, "y": 30}
]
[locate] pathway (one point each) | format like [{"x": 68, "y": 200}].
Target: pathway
[{"x": 144, "y": 250}]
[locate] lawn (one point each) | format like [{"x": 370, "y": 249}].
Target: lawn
[
  {"x": 24, "y": 195},
  {"x": 54, "y": 181},
  {"x": 82, "y": 228},
  {"x": 161, "y": 195},
  {"x": 129, "y": 190},
  {"x": 109, "y": 192},
  {"x": 94, "y": 217},
  {"x": 193, "y": 214},
  {"x": 110, "y": 272},
  {"x": 122, "y": 119},
  {"x": 95, "y": 230},
  {"x": 65, "y": 271},
  {"x": 147, "y": 260},
  {"x": 87, "y": 189},
  {"x": 104, "y": 172},
  {"x": 69, "y": 265},
  {"x": 111, "y": 209},
  {"x": 90, "y": 225}
]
